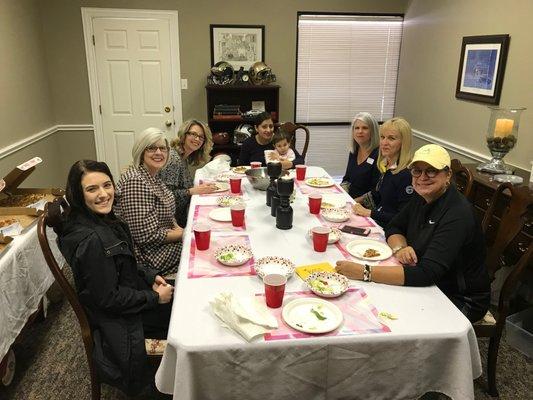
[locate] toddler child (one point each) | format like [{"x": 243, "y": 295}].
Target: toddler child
[{"x": 282, "y": 151}]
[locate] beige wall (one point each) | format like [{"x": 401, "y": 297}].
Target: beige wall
[
  {"x": 45, "y": 75},
  {"x": 47, "y": 173},
  {"x": 26, "y": 108},
  {"x": 66, "y": 55},
  {"x": 431, "y": 48}
]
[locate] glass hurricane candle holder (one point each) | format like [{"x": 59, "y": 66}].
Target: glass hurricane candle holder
[{"x": 502, "y": 135}]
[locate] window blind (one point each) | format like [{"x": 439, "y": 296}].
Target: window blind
[{"x": 346, "y": 64}]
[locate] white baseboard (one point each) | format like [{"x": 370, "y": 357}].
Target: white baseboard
[{"x": 14, "y": 147}]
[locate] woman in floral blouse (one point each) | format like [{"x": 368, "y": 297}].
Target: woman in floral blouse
[
  {"x": 189, "y": 151},
  {"x": 148, "y": 207}
]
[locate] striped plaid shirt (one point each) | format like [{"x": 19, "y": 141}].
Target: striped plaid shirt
[{"x": 148, "y": 207}]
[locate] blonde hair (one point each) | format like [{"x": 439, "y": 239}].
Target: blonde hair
[
  {"x": 145, "y": 139},
  {"x": 367, "y": 119},
  {"x": 202, "y": 155},
  {"x": 401, "y": 126}
]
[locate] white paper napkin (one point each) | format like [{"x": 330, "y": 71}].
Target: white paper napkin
[
  {"x": 219, "y": 164},
  {"x": 245, "y": 315}
]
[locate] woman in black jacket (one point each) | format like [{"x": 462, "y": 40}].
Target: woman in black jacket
[
  {"x": 125, "y": 302},
  {"x": 436, "y": 238}
]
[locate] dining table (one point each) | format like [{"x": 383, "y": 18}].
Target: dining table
[
  {"x": 394, "y": 342},
  {"x": 24, "y": 281}
]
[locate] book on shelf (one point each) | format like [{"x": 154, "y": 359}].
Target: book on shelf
[
  {"x": 234, "y": 117},
  {"x": 226, "y": 112}
]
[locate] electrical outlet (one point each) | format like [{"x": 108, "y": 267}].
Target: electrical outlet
[{"x": 184, "y": 84}]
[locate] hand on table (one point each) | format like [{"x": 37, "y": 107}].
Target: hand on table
[
  {"x": 407, "y": 256},
  {"x": 350, "y": 269},
  {"x": 204, "y": 188},
  {"x": 358, "y": 209}
]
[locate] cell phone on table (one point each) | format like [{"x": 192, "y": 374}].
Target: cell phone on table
[{"x": 354, "y": 230}]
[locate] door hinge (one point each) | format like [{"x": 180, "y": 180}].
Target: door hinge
[
  {"x": 94, "y": 42},
  {"x": 100, "y": 107}
]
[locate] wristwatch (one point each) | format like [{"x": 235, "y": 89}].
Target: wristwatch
[{"x": 396, "y": 249}]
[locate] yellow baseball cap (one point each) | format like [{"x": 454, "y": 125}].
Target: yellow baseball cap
[{"x": 434, "y": 155}]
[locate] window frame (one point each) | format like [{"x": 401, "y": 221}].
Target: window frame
[{"x": 300, "y": 13}]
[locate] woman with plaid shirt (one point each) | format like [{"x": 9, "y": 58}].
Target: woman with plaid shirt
[{"x": 148, "y": 207}]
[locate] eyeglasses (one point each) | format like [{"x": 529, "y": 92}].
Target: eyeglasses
[
  {"x": 196, "y": 136},
  {"x": 153, "y": 149},
  {"x": 430, "y": 172}
]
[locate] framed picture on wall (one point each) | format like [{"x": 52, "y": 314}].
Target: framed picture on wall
[
  {"x": 239, "y": 45},
  {"x": 481, "y": 68}
]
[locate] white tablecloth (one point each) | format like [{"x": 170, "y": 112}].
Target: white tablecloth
[
  {"x": 431, "y": 346},
  {"x": 24, "y": 279}
]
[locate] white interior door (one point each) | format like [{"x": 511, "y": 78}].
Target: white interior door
[{"x": 133, "y": 68}]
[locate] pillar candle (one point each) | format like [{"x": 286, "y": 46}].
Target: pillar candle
[{"x": 503, "y": 127}]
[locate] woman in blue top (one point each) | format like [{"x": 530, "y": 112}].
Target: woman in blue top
[
  {"x": 394, "y": 188},
  {"x": 361, "y": 172}
]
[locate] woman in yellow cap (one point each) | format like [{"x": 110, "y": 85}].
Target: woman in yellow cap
[{"x": 436, "y": 238}]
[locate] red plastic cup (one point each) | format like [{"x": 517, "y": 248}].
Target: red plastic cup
[
  {"x": 315, "y": 201},
  {"x": 274, "y": 289},
  {"x": 237, "y": 214},
  {"x": 202, "y": 235},
  {"x": 300, "y": 172},
  {"x": 320, "y": 238},
  {"x": 235, "y": 184},
  {"x": 256, "y": 164}
]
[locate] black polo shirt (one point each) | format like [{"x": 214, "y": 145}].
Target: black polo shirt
[{"x": 450, "y": 248}]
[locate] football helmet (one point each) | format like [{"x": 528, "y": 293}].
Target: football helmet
[
  {"x": 222, "y": 73},
  {"x": 261, "y": 74},
  {"x": 242, "y": 132}
]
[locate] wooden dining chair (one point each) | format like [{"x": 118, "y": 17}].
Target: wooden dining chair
[
  {"x": 462, "y": 177},
  {"x": 52, "y": 218},
  {"x": 504, "y": 234},
  {"x": 292, "y": 129}
]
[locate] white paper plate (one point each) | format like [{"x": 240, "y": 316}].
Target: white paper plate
[
  {"x": 319, "y": 182},
  {"x": 241, "y": 169},
  {"x": 228, "y": 200},
  {"x": 233, "y": 255},
  {"x": 221, "y": 214},
  {"x": 327, "y": 284},
  {"x": 274, "y": 265},
  {"x": 221, "y": 187},
  {"x": 332, "y": 200},
  {"x": 357, "y": 248},
  {"x": 334, "y": 235},
  {"x": 335, "y": 214},
  {"x": 312, "y": 315}
]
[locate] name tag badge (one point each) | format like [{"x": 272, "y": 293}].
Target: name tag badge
[{"x": 370, "y": 160}]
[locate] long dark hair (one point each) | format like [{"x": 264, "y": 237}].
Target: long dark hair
[
  {"x": 74, "y": 191},
  {"x": 261, "y": 117}
]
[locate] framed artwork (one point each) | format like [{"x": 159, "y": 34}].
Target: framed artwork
[
  {"x": 481, "y": 68},
  {"x": 239, "y": 45}
]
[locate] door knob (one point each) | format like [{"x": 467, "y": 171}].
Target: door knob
[
  {"x": 168, "y": 123},
  {"x": 167, "y": 109}
]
